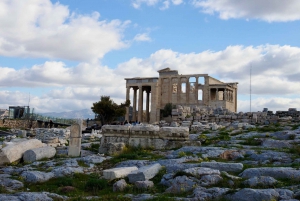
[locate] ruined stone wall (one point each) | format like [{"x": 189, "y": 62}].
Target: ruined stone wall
[
  {"x": 144, "y": 136},
  {"x": 17, "y": 123}
]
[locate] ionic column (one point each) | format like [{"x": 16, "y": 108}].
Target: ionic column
[
  {"x": 147, "y": 105},
  {"x": 134, "y": 104},
  {"x": 140, "y": 106},
  {"x": 127, "y": 108}
]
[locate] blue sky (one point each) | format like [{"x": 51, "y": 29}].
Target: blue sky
[{"x": 63, "y": 55}]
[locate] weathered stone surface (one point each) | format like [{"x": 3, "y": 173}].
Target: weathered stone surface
[
  {"x": 144, "y": 173},
  {"x": 231, "y": 155},
  {"x": 203, "y": 194},
  {"x": 116, "y": 173},
  {"x": 208, "y": 180},
  {"x": 248, "y": 194},
  {"x": 65, "y": 171},
  {"x": 228, "y": 167},
  {"x": 38, "y": 154},
  {"x": 75, "y": 140},
  {"x": 276, "y": 172},
  {"x": 36, "y": 176},
  {"x": 144, "y": 184},
  {"x": 115, "y": 148},
  {"x": 263, "y": 181},
  {"x": 200, "y": 171},
  {"x": 270, "y": 143},
  {"x": 31, "y": 196},
  {"x": 119, "y": 185},
  {"x": 10, "y": 184},
  {"x": 181, "y": 184},
  {"x": 14, "y": 152},
  {"x": 174, "y": 133}
]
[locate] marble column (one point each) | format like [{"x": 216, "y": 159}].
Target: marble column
[
  {"x": 127, "y": 108},
  {"x": 140, "y": 106},
  {"x": 147, "y": 106},
  {"x": 134, "y": 104},
  {"x": 217, "y": 94}
]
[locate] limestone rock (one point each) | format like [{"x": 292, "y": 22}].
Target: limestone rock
[
  {"x": 36, "y": 176},
  {"x": 144, "y": 173},
  {"x": 65, "y": 171},
  {"x": 14, "y": 152},
  {"x": 38, "y": 154},
  {"x": 116, "y": 173},
  {"x": 181, "y": 184},
  {"x": 275, "y": 172},
  {"x": 264, "y": 181},
  {"x": 115, "y": 148},
  {"x": 11, "y": 184},
  {"x": 119, "y": 185},
  {"x": 228, "y": 167},
  {"x": 144, "y": 184},
  {"x": 201, "y": 171},
  {"x": 248, "y": 194}
]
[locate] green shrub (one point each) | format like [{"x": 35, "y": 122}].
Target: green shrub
[{"x": 95, "y": 185}]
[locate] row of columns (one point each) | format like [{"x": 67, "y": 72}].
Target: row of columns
[
  {"x": 227, "y": 95},
  {"x": 140, "y": 103}
]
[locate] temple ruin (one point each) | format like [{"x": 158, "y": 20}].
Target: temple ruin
[{"x": 199, "y": 90}]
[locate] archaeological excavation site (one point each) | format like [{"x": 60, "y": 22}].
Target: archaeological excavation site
[{"x": 200, "y": 149}]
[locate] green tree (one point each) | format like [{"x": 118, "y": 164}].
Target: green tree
[
  {"x": 107, "y": 110},
  {"x": 168, "y": 109}
]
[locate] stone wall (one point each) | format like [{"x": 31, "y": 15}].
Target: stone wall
[{"x": 144, "y": 136}]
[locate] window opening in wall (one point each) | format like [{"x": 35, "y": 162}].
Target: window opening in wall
[
  {"x": 201, "y": 80},
  {"x": 183, "y": 87},
  {"x": 192, "y": 79},
  {"x": 200, "y": 94}
]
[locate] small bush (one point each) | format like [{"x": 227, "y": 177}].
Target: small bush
[{"x": 94, "y": 184}]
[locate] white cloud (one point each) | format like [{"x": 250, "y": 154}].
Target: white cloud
[
  {"x": 267, "y": 10},
  {"x": 57, "y": 74},
  {"x": 274, "y": 68},
  {"x": 38, "y": 28},
  {"x": 142, "y": 37},
  {"x": 165, "y": 3},
  {"x": 275, "y": 77}
]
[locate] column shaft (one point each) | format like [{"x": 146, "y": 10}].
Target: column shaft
[
  {"x": 140, "y": 112},
  {"x": 127, "y": 108},
  {"x": 147, "y": 106},
  {"x": 134, "y": 104}
]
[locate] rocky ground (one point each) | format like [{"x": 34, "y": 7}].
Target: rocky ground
[{"x": 233, "y": 163}]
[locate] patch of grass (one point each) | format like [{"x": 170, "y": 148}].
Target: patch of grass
[
  {"x": 206, "y": 132},
  {"x": 295, "y": 150},
  {"x": 94, "y": 147},
  {"x": 253, "y": 141},
  {"x": 94, "y": 185},
  {"x": 81, "y": 163},
  {"x": 294, "y": 127},
  {"x": 4, "y": 128},
  {"x": 135, "y": 153}
]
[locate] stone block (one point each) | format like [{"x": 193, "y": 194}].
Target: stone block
[
  {"x": 144, "y": 173},
  {"x": 74, "y": 147},
  {"x": 38, "y": 154},
  {"x": 228, "y": 167},
  {"x": 174, "y": 133},
  {"x": 116, "y": 173},
  {"x": 22, "y": 133},
  {"x": 15, "y": 151}
]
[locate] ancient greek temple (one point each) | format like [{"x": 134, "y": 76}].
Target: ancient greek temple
[{"x": 151, "y": 94}]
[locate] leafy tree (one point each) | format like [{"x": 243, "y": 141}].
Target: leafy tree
[
  {"x": 107, "y": 110},
  {"x": 168, "y": 109}
]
